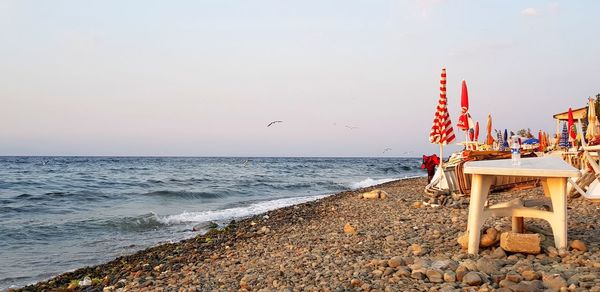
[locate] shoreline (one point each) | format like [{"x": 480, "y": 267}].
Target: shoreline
[
  {"x": 202, "y": 232},
  {"x": 304, "y": 247}
]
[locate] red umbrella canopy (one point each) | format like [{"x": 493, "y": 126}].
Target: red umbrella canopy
[
  {"x": 477, "y": 131},
  {"x": 464, "y": 122},
  {"x": 441, "y": 131},
  {"x": 490, "y": 139},
  {"x": 571, "y": 126}
]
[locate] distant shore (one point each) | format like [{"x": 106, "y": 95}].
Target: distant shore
[{"x": 397, "y": 244}]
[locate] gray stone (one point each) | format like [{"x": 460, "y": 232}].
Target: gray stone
[
  {"x": 450, "y": 276},
  {"x": 487, "y": 265},
  {"x": 435, "y": 275},
  {"x": 472, "y": 279},
  {"x": 498, "y": 253},
  {"x": 396, "y": 262},
  {"x": 554, "y": 281}
]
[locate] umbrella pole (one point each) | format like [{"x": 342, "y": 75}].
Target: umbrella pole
[{"x": 442, "y": 161}]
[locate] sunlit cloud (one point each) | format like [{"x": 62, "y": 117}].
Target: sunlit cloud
[{"x": 529, "y": 12}]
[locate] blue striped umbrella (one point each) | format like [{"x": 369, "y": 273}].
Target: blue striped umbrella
[
  {"x": 499, "y": 140},
  {"x": 564, "y": 137}
]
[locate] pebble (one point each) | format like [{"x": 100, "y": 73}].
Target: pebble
[
  {"x": 398, "y": 248},
  {"x": 554, "y": 281},
  {"x": 396, "y": 262},
  {"x": 435, "y": 275},
  {"x": 578, "y": 245},
  {"x": 450, "y": 276},
  {"x": 472, "y": 279}
]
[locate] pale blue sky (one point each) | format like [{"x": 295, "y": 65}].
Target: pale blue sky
[{"x": 205, "y": 77}]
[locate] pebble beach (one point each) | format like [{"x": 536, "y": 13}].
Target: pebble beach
[{"x": 346, "y": 243}]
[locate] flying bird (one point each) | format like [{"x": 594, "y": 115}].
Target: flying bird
[
  {"x": 273, "y": 122},
  {"x": 386, "y": 150}
]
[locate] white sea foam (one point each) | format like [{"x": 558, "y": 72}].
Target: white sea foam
[
  {"x": 233, "y": 213},
  {"x": 371, "y": 182}
]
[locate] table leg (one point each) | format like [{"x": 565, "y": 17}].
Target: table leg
[
  {"x": 558, "y": 194},
  {"x": 480, "y": 187}
]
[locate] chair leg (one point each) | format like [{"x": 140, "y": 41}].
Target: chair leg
[{"x": 480, "y": 187}]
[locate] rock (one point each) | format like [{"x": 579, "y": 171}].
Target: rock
[
  {"x": 348, "y": 229},
  {"x": 487, "y": 265},
  {"x": 578, "y": 245},
  {"x": 450, "y": 276},
  {"x": 86, "y": 282},
  {"x": 72, "y": 286},
  {"x": 463, "y": 240},
  {"x": 374, "y": 194},
  {"x": 520, "y": 242},
  {"x": 514, "y": 277},
  {"x": 435, "y": 275},
  {"x": 396, "y": 262},
  {"x": 554, "y": 281},
  {"x": 108, "y": 289},
  {"x": 461, "y": 271},
  {"x": 552, "y": 251},
  {"x": 403, "y": 272},
  {"x": 506, "y": 283},
  {"x": 356, "y": 282},
  {"x": 524, "y": 287},
  {"x": 444, "y": 264},
  {"x": 489, "y": 238},
  {"x": 419, "y": 274},
  {"x": 472, "y": 279},
  {"x": 530, "y": 275},
  {"x": 264, "y": 230},
  {"x": 418, "y": 204},
  {"x": 498, "y": 253},
  {"x": 417, "y": 249}
]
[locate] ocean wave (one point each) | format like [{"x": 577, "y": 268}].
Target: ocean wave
[
  {"x": 184, "y": 194},
  {"x": 232, "y": 213},
  {"x": 370, "y": 182}
]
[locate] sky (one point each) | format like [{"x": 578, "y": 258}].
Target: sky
[{"x": 347, "y": 78}]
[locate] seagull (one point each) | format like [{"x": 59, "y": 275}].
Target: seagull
[
  {"x": 351, "y": 127},
  {"x": 386, "y": 150},
  {"x": 274, "y": 122}
]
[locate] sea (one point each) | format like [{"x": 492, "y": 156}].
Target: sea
[{"x": 58, "y": 214}]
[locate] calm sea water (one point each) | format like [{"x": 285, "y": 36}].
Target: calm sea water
[{"x": 62, "y": 213}]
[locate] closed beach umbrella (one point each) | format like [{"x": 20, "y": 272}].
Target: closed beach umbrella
[
  {"x": 593, "y": 126},
  {"x": 471, "y": 135},
  {"x": 505, "y": 142},
  {"x": 564, "y": 137},
  {"x": 464, "y": 121},
  {"x": 541, "y": 139},
  {"x": 490, "y": 139},
  {"x": 477, "y": 131},
  {"x": 441, "y": 131},
  {"x": 499, "y": 140},
  {"x": 571, "y": 127}
]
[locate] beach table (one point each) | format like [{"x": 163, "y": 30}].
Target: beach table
[{"x": 553, "y": 173}]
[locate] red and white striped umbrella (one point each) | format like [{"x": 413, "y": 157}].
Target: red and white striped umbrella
[
  {"x": 464, "y": 120},
  {"x": 441, "y": 131}
]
